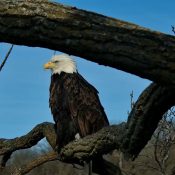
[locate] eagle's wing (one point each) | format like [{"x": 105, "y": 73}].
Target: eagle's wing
[
  {"x": 85, "y": 107},
  {"x": 64, "y": 125}
]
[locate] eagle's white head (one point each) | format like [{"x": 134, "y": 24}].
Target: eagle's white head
[{"x": 61, "y": 63}]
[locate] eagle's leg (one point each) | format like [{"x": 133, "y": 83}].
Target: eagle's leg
[{"x": 90, "y": 168}]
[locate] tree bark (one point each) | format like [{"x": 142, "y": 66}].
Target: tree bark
[{"x": 95, "y": 37}]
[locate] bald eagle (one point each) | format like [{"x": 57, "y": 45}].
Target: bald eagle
[{"x": 74, "y": 102}]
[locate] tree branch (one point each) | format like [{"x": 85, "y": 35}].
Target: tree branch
[
  {"x": 8, "y": 146},
  {"x": 173, "y": 29},
  {"x": 95, "y": 37},
  {"x": 81, "y": 151},
  {"x": 6, "y": 57},
  {"x": 149, "y": 109},
  {"x": 89, "y": 147}
]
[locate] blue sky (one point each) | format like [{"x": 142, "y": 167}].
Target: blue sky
[{"x": 24, "y": 85}]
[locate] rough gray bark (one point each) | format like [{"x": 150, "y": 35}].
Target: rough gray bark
[{"x": 95, "y": 37}]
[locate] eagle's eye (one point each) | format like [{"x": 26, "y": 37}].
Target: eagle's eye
[{"x": 55, "y": 61}]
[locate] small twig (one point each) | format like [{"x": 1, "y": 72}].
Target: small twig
[
  {"x": 173, "y": 29},
  {"x": 132, "y": 101},
  {"x": 6, "y": 57},
  {"x": 156, "y": 151}
]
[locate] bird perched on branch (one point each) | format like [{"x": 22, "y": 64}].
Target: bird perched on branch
[{"x": 74, "y": 102}]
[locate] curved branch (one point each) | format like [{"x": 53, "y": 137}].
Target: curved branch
[
  {"x": 95, "y": 37},
  {"x": 145, "y": 116},
  {"x": 8, "y": 146},
  {"x": 42, "y": 130}
]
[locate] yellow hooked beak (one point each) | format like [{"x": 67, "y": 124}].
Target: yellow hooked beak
[{"x": 49, "y": 65}]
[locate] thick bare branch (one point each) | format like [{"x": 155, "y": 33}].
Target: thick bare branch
[
  {"x": 102, "y": 142},
  {"x": 101, "y": 39},
  {"x": 28, "y": 140},
  {"x": 8, "y": 146},
  {"x": 145, "y": 116}
]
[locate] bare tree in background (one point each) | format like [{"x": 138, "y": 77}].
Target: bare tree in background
[
  {"x": 164, "y": 139},
  {"x": 156, "y": 155}
]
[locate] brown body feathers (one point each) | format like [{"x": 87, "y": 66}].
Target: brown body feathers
[{"x": 75, "y": 106}]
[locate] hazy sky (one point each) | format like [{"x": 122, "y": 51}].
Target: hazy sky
[{"x": 24, "y": 85}]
